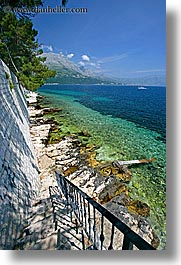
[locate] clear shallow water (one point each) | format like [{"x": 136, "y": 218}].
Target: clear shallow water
[{"x": 124, "y": 123}]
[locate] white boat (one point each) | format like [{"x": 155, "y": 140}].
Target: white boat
[{"x": 142, "y": 88}]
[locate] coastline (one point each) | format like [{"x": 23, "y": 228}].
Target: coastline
[
  {"x": 117, "y": 139},
  {"x": 75, "y": 159}
]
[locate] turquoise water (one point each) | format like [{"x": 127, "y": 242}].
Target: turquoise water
[{"x": 120, "y": 138}]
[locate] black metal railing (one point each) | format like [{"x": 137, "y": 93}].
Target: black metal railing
[{"x": 101, "y": 228}]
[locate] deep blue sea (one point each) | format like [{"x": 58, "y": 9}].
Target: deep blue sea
[{"x": 124, "y": 122}]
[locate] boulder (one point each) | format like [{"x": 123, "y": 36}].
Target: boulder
[{"x": 44, "y": 162}]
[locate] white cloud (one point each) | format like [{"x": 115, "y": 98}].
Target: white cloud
[
  {"x": 50, "y": 48},
  {"x": 92, "y": 64},
  {"x": 47, "y": 47},
  {"x": 85, "y": 58},
  {"x": 69, "y": 56},
  {"x": 81, "y": 63}
]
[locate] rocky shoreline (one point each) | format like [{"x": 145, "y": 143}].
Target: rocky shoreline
[{"x": 76, "y": 160}]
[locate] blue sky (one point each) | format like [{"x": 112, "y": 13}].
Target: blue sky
[{"x": 120, "y": 38}]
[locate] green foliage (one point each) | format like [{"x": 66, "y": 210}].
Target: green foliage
[
  {"x": 7, "y": 75},
  {"x": 64, "y": 2},
  {"x": 34, "y": 74},
  {"x": 21, "y": 3},
  {"x": 11, "y": 85},
  {"x": 19, "y": 49},
  {"x": 11, "y": 5}
]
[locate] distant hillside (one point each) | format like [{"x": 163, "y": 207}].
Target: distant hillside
[
  {"x": 157, "y": 80},
  {"x": 70, "y": 73}
]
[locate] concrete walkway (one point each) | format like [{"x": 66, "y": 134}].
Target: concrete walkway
[{"x": 51, "y": 225}]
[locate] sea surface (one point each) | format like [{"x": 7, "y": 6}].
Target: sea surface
[{"x": 125, "y": 123}]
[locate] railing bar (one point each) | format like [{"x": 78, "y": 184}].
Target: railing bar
[
  {"x": 127, "y": 244},
  {"x": 71, "y": 217},
  {"x": 74, "y": 196},
  {"x": 81, "y": 210},
  {"x": 74, "y": 201},
  {"x": 102, "y": 231},
  {"x": 68, "y": 192},
  {"x": 79, "y": 202},
  {"x": 131, "y": 235},
  {"x": 89, "y": 221},
  {"x": 94, "y": 227},
  {"x": 78, "y": 208},
  {"x": 85, "y": 216},
  {"x": 112, "y": 238},
  {"x": 83, "y": 242},
  {"x": 58, "y": 239},
  {"x": 56, "y": 224}
]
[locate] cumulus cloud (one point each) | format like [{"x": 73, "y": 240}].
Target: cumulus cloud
[
  {"x": 81, "y": 63},
  {"x": 69, "y": 56},
  {"x": 85, "y": 58}
]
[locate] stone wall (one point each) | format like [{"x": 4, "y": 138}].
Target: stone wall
[{"x": 19, "y": 174}]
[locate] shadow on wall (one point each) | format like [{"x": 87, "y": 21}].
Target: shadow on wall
[{"x": 19, "y": 181}]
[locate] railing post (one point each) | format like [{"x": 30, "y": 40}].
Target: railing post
[
  {"x": 83, "y": 241},
  {"x": 102, "y": 231},
  {"x": 112, "y": 238},
  {"x": 89, "y": 221},
  {"x": 127, "y": 245},
  {"x": 56, "y": 224},
  {"x": 94, "y": 227},
  {"x": 85, "y": 214},
  {"x": 81, "y": 210}
]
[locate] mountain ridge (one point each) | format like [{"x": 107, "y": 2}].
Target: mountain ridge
[{"x": 71, "y": 73}]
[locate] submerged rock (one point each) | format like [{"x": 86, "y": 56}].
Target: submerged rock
[
  {"x": 51, "y": 110},
  {"x": 139, "y": 207},
  {"x": 110, "y": 170},
  {"x": 91, "y": 160},
  {"x": 110, "y": 189},
  {"x": 70, "y": 170},
  {"x": 84, "y": 133}
]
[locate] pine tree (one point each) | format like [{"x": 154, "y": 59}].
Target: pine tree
[{"x": 19, "y": 49}]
